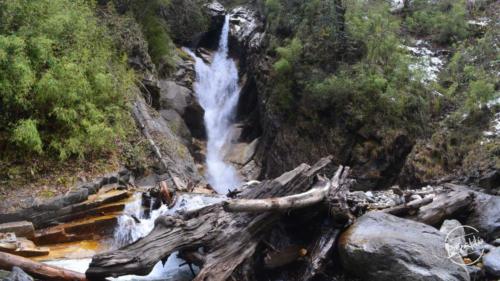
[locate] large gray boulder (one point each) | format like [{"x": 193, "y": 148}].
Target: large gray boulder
[
  {"x": 485, "y": 216},
  {"x": 380, "y": 247},
  {"x": 491, "y": 263},
  {"x": 174, "y": 96}
]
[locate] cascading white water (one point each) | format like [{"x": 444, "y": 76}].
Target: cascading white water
[{"x": 218, "y": 91}]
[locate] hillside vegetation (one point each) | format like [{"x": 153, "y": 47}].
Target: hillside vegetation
[{"x": 63, "y": 87}]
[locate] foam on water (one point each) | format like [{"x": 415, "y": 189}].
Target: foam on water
[
  {"x": 128, "y": 231},
  {"x": 218, "y": 92}
]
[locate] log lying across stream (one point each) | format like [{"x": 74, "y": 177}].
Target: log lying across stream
[
  {"x": 227, "y": 240},
  {"x": 229, "y": 232}
]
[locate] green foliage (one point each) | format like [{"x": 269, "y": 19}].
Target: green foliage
[
  {"x": 159, "y": 42},
  {"x": 377, "y": 29},
  {"x": 185, "y": 19},
  {"x": 480, "y": 93},
  {"x": 376, "y": 91},
  {"x": 289, "y": 56},
  {"x": 25, "y": 135},
  {"x": 469, "y": 79},
  {"x": 445, "y": 21},
  {"x": 285, "y": 69},
  {"x": 155, "y": 30},
  {"x": 273, "y": 7},
  {"x": 60, "y": 76}
]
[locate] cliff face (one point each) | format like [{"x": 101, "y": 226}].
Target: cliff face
[
  {"x": 272, "y": 138},
  {"x": 285, "y": 142},
  {"x": 381, "y": 151}
]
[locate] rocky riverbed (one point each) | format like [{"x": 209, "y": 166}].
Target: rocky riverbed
[{"x": 282, "y": 219}]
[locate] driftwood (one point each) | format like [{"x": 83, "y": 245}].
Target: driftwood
[
  {"x": 286, "y": 203},
  {"x": 228, "y": 238},
  {"x": 321, "y": 252},
  {"x": 404, "y": 209},
  {"x": 39, "y": 270},
  {"x": 446, "y": 205}
]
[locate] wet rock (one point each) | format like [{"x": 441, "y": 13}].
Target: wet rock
[
  {"x": 20, "y": 246},
  {"x": 18, "y": 274},
  {"x": 475, "y": 272},
  {"x": 251, "y": 170},
  {"x": 491, "y": 263},
  {"x": 242, "y": 153},
  {"x": 485, "y": 216},
  {"x": 386, "y": 247},
  {"x": 205, "y": 55},
  {"x": 174, "y": 96},
  {"x": 246, "y": 28},
  {"x": 496, "y": 242},
  {"x": 455, "y": 235},
  {"x": 490, "y": 180},
  {"x": 445, "y": 206},
  {"x": 194, "y": 119},
  {"x": 215, "y": 9},
  {"x": 174, "y": 153},
  {"x": 176, "y": 123},
  {"x": 19, "y": 228}
]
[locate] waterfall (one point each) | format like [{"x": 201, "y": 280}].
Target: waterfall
[{"x": 218, "y": 91}]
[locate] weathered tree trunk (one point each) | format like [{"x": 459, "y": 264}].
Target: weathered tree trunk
[
  {"x": 404, "y": 209},
  {"x": 39, "y": 270},
  {"x": 321, "y": 252},
  {"x": 228, "y": 238},
  {"x": 446, "y": 205}
]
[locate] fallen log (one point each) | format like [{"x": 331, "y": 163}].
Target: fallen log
[
  {"x": 228, "y": 238},
  {"x": 444, "y": 206},
  {"x": 39, "y": 270},
  {"x": 286, "y": 203},
  {"x": 321, "y": 252},
  {"x": 404, "y": 209}
]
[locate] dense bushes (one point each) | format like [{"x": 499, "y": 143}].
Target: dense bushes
[
  {"x": 344, "y": 63},
  {"x": 63, "y": 89},
  {"x": 445, "y": 20},
  {"x": 470, "y": 77}
]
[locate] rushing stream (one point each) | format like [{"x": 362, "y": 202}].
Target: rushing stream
[{"x": 218, "y": 91}]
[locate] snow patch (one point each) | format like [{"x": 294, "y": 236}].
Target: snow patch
[{"x": 429, "y": 63}]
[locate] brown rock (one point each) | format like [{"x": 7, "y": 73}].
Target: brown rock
[{"x": 20, "y": 228}]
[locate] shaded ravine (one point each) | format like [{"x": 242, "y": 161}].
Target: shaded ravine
[{"x": 217, "y": 91}]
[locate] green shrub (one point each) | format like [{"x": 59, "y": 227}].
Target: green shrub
[
  {"x": 445, "y": 21},
  {"x": 25, "y": 136},
  {"x": 159, "y": 42},
  {"x": 480, "y": 93},
  {"x": 59, "y": 73},
  {"x": 273, "y": 7}
]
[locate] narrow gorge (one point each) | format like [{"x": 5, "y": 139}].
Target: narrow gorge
[{"x": 180, "y": 140}]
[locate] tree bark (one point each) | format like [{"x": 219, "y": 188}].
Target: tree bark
[
  {"x": 404, "y": 209},
  {"x": 39, "y": 270},
  {"x": 227, "y": 238},
  {"x": 445, "y": 205}
]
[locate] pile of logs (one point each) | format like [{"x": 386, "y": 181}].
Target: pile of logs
[{"x": 259, "y": 230}]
